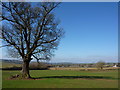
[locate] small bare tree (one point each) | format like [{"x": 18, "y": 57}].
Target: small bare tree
[
  {"x": 100, "y": 65},
  {"x": 30, "y": 31}
]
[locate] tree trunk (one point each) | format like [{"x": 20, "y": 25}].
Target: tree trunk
[{"x": 25, "y": 69}]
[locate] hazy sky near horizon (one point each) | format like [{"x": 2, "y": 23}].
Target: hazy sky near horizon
[{"x": 91, "y": 32}]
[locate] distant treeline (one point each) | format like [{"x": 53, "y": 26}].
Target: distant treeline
[
  {"x": 20, "y": 68},
  {"x": 32, "y": 66},
  {"x": 84, "y": 65},
  {"x": 46, "y": 66},
  {"x": 11, "y": 61}
]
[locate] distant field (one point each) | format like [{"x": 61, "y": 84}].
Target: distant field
[
  {"x": 64, "y": 79},
  {"x": 75, "y": 68},
  {"x": 6, "y": 65}
]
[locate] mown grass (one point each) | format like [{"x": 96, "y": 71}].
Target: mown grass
[{"x": 63, "y": 79}]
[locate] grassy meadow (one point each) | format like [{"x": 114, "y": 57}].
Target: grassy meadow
[{"x": 63, "y": 79}]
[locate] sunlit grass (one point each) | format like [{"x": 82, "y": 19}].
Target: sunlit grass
[{"x": 64, "y": 79}]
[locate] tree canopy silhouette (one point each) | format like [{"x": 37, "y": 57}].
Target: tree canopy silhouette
[
  {"x": 100, "y": 64},
  {"x": 30, "y": 30}
]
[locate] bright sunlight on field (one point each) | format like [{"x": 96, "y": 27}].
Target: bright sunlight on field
[{"x": 63, "y": 79}]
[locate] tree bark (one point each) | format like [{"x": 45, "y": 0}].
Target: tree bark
[
  {"x": 25, "y": 69},
  {"x": 101, "y": 68}
]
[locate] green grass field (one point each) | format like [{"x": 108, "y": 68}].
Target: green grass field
[{"x": 63, "y": 79}]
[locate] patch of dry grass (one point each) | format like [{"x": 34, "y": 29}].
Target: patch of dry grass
[
  {"x": 75, "y": 68},
  {"x": 6, "y": 65}
]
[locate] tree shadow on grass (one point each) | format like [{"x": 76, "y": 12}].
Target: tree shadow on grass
[{"x": 76, "y": 77}]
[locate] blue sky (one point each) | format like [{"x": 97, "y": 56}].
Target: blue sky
[{"x": 91, "y": 32}]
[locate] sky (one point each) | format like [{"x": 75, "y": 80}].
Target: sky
[{"x": 91, "y": 32}]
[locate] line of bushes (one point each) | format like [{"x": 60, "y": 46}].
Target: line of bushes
[
  {"x": 33, "y": 66},
  {"x": 20, "y": 68}
]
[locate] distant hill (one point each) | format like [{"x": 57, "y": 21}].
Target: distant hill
[{"x": 11, "y": 61}]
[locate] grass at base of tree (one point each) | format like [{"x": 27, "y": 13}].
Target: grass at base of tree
[{"x": 63, "y": 79}]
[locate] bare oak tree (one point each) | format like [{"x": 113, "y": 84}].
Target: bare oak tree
[{"x": 30, "y": 30}]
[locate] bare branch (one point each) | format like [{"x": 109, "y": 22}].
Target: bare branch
[
  {"x": 31, "y": 30},
  {"x": 5, "y": 45}
]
